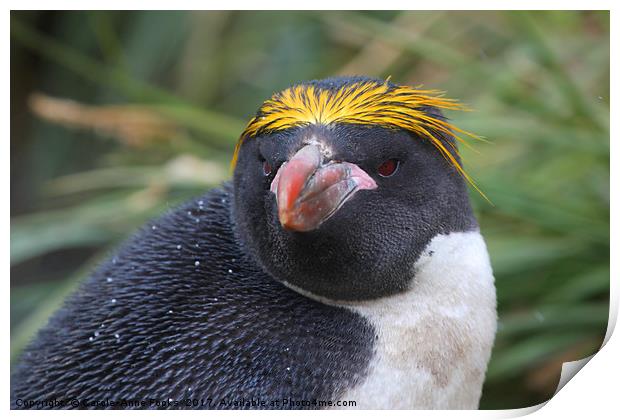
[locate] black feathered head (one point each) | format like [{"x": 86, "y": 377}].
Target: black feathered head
[
  {"x": 365, "y": 102},
  {"x": 341, "y": 183}
]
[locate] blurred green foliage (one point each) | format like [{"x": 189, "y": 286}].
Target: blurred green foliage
[{"x": 162, "y": 96}]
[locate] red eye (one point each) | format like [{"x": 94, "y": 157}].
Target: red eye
[
  {"x": 388, "y": 168},
  {"x": 266, "y": 168}
]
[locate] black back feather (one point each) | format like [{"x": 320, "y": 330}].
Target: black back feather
[{"x": 182, "y": 312}]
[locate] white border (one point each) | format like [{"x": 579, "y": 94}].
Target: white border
[{"x": 314, "y": 5}]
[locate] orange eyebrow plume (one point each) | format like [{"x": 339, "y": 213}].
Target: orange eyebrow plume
[{"x": 366, "y": 103}]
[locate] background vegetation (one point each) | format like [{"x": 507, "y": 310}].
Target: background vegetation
[{"x": 116, "y": 117}]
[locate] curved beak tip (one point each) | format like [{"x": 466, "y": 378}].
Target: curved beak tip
[{"x": 308, "y": 193}]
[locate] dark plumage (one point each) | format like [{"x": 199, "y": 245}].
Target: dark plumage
[
  {"x": 369, "y": 249},
  {"x": 220, "y": 329}
]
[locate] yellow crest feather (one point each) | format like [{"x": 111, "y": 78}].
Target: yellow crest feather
[{"x": 366, "y": 103}]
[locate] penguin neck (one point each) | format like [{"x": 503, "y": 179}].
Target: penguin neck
[
  {"x": 438, "y": 276},
  {"x": 433, "y": 340}
]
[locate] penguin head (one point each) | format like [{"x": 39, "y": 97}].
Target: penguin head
[{"x": 340, "y": 184}]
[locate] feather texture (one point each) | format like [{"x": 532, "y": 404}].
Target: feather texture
[{"x": 364, "y": 102}]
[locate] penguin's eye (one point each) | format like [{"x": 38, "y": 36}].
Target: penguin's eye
[
  {"x": 266, "y": 168},
  {"x": 388, "y": 168}
]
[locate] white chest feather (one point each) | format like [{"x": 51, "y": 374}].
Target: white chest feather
[{"x": 435, "y": 340}]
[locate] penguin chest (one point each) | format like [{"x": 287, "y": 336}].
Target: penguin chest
[{"x": 433, "y": 341}]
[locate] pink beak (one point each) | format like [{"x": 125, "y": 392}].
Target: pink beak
[{"x": 308, "y": 192}]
